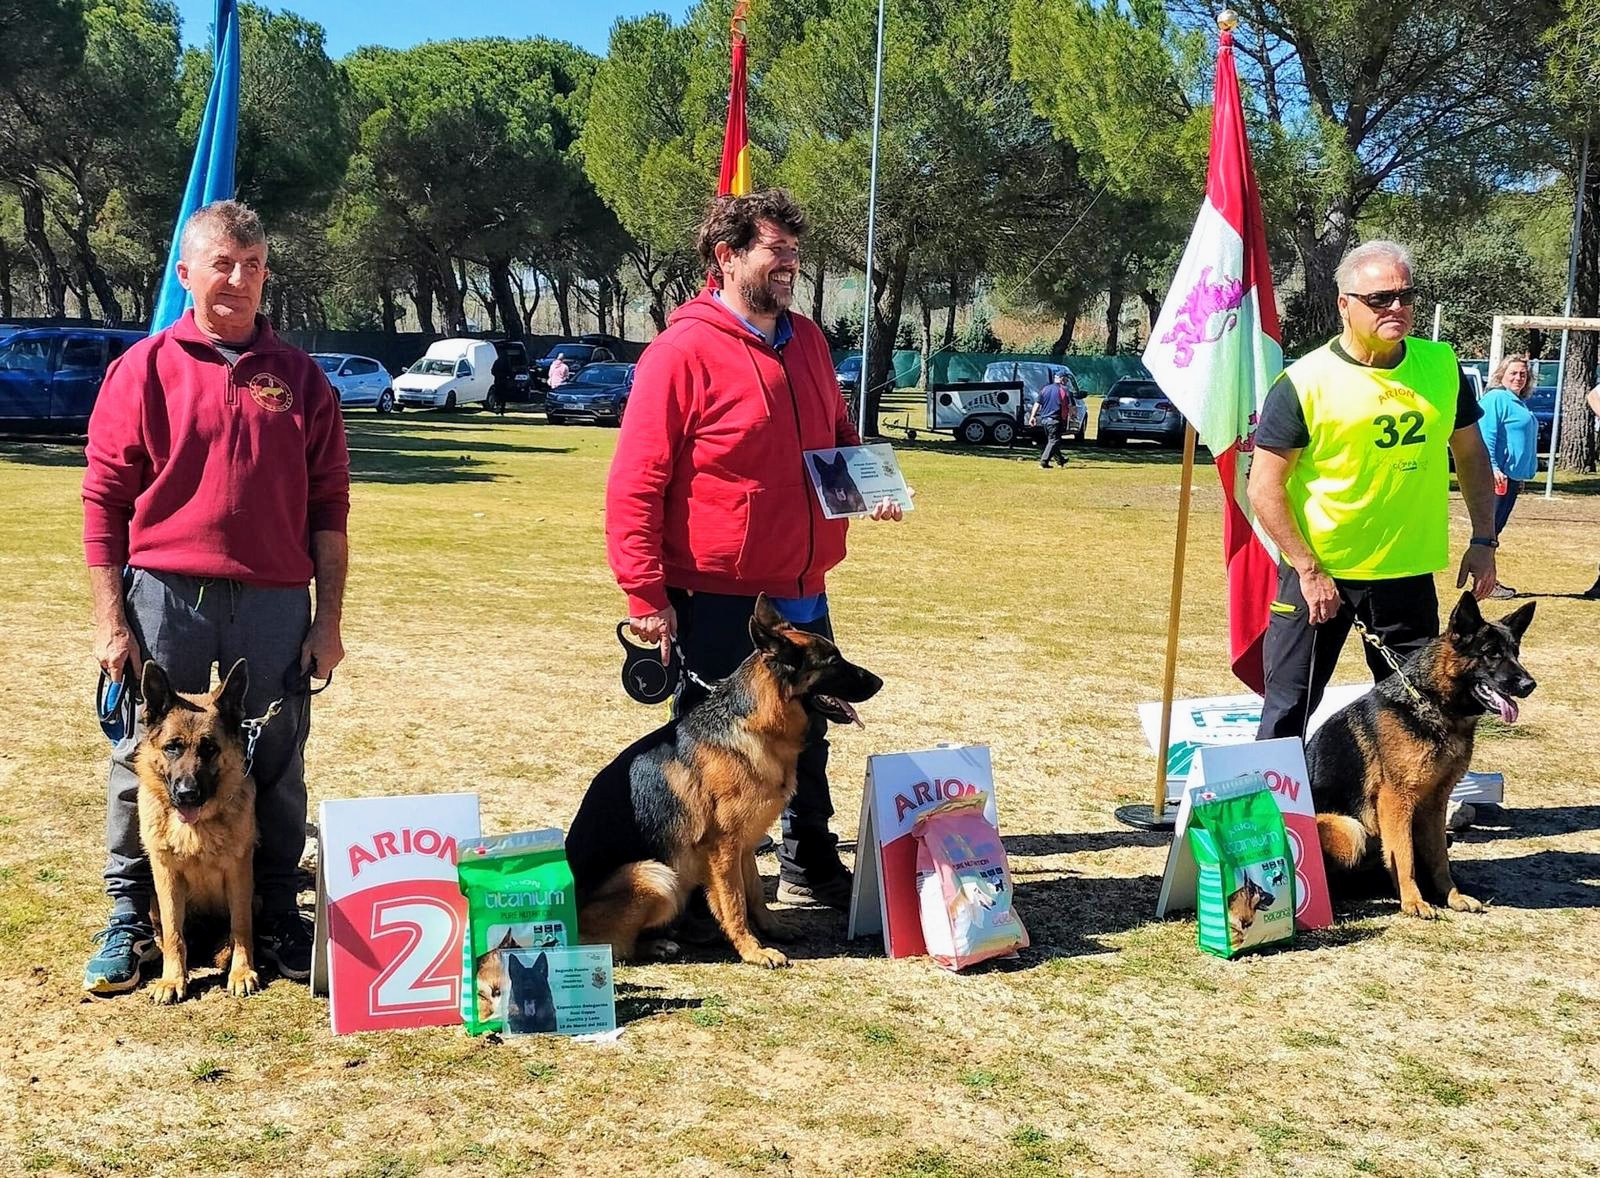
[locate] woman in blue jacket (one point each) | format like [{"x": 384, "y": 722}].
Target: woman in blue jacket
[{"x": 1511, "y": 434}]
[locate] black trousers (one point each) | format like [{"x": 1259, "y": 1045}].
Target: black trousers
[
  {"x": 714, "y": 632},
  {"x": 1300, "y": 657},
  {"x": 1053, "y": 443}
]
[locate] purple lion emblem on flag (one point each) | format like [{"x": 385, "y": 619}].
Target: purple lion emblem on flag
[{"x": 1205, "y": 302}]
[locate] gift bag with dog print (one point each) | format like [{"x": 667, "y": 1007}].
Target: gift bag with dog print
[
  {"x": 1245, "y": 889},
  {"x": 964, "y": 886}
]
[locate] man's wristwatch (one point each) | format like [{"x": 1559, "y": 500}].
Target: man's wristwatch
[{"x": 1486, "y": 541}]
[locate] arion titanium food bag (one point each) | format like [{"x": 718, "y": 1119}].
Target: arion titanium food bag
[
  {"x": 1244, "y": 895},
  {"x": 964, "y": 886},
  {"x": 519, "y": 896}
]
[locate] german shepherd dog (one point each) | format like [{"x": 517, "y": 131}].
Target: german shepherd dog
[
  {"x": 839, "y": 489},
  {"x": 1382, "y": 768},
  {"x": 197, "y": 819},
  {"x": 686, "y": 805},
  {"x": 1243, "y": 905}
]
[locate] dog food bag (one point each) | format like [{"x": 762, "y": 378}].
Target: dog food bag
[
  {"x": 1245, "y": 888},
  {"x": 519, "y": 896},
  {"x": 964, "y": 886}
]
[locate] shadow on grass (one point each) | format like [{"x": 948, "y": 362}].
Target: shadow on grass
[
  {"x": 56, "y": 452},
  {"x": 398, "y": 467},
  {"x": 635, "y": 1003},
  {"x": 363, "y": 437},
  {"x": 1035, "y": 845},
  {"x": 1543, "y": 879},
  {"x": 1498, "y": 822},
  {"x": 1067, "y": 916},
  {"x": 1085, "y": 454}
]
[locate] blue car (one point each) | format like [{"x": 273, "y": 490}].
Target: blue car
[
  {"x": 599, "y": 393},
  {"x": 50, "y": 376}
]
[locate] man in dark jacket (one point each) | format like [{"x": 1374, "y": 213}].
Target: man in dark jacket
[{"x": 709, "y": 503}]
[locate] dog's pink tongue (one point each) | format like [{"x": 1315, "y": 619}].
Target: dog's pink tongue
[
  {"x": 1508, "y": 708},
  {"x": 855, "y": 717},
  {"x": 187, "y": 814}
]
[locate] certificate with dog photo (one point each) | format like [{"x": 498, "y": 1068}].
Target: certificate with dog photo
[{"x": 852, "y": 480}]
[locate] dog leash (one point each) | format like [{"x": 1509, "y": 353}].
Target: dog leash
[
  {"x": 295, "y": 682},
  {"x": 1389, "y": 657},
  {"x": 684, "y": 671}
]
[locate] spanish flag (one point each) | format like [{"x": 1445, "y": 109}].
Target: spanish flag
[{"x": 735, "y": 179}]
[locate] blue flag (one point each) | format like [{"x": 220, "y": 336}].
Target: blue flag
[{"x": 211, "y": 174}]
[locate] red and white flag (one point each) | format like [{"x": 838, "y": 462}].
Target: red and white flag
[{"x": 1216, "y": 348}]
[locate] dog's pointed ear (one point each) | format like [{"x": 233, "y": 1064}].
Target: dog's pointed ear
[
  {"x": 157, "y": 693},
  {"x": 765, "y": 622},
  {"x": 1466, "y": 619},
  {"x": 1518, "y": 620},
  {"x": 229, "y": 695},
  {"x": 541, "y": 967}
]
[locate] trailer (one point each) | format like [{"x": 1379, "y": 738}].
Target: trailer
[{"x": 996, "y": 408}]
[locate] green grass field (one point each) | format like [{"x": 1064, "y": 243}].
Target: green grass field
[{"x": 1018, "y": 607}]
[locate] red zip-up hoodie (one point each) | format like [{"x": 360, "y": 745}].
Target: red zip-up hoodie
[
  {"x": 708, "y": 490},
  {"x": 208, "y": 469}
]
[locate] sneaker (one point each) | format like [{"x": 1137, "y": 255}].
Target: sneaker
[
  {"x": 1502, "y": 593},
  {"x": 831, "y": 892},
  {"x": 1593, "y": 592},
  {"x": 126, "y": 945},
  {"x": 283, "y": 940}
]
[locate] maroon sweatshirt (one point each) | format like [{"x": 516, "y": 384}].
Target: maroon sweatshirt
[
  {"x": 708, "y": 490},
  {"x": 204, "y": 469}
]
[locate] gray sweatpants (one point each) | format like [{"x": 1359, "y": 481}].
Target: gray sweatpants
[{"x": 188, "y": 625}]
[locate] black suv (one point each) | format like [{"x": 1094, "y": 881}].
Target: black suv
[
  {"x": 576, "y": 354},
  {"x": 515, "y": 353}
]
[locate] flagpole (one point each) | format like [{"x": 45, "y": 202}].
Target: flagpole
[
  {"x": 1572, "y": 282},
  {"x": 1174, "y": 610},
  {"x": 872, "y": 225}
]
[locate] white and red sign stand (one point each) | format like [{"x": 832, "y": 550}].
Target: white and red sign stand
[
  {"x": 899, "y": 787},
  {"x": 390, "y": 913},
  {"x": 1283, "y": 764}
]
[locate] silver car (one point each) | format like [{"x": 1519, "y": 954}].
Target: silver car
[
  {"x": 359, "y": 380},
  {"x": 1135, "y": 408}
]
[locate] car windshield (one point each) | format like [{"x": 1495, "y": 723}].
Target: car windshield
[
  {"x": 603, "y": 374},
  {"x": 569, "y": 351},
  {"x": 850, "y": 366},
  {"x": 25, "y": 355},
  {"x": 431, "y": 367},
  {"x": 1141, "y": 389},
  {"x": 328, "y": 363}
]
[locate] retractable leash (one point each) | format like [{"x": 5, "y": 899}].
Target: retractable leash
[
  {"x": 646, "y": 678},
  {"x": 295, "y": 682}
]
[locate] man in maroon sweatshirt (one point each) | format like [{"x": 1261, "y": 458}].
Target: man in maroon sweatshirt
[
  {"x": 217, "y": 489},
  {"x": 708, "y": 501}
]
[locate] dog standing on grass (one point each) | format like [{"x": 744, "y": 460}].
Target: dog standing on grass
[
  {"x": 687, "y": 804},
  {"x": 197, "y": 820},
  {"x": 1382, "y": 768}
]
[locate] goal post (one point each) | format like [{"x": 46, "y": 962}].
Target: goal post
[{"x": 1563, "y": 324}]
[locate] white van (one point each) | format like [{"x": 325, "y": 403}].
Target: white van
[{"x": 451, "y": 372}]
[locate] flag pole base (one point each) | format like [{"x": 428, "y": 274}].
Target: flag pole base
[{"x": 1143, "y": 817}]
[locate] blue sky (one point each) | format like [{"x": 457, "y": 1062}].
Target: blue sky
[{"x": 399, "y": 23}]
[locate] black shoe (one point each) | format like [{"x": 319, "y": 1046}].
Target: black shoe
[
  {"x": 1593, "y": 592},
  {"x": 283, "y": 940},
  {"x": 831, "y": 892}
]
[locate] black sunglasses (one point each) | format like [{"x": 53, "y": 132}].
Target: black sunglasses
[{"x": 1382, "y": 300}]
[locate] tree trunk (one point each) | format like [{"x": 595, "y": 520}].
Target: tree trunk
[
  {"x": 621, "y": 320},
  {"x": 52, "y": 282},
  {"x": 950, "y": 314},
  {"x": 1113, "y": 320},
  {"x": 1317, "y": 312},
  {"x": 602, "y": 304},
  {"x": 5, "y": 281},
  {"x": 1576, "y": 445},
  {"x": 818, "y": 287},
  {"x": 1152, "y": 310},
  {"x": 1069, "y": 324},
  {"x": 391, "y": 313},
  {"x": 927, "y": 338},
  {"x": 889, "y": 299},
  {"x": 563, "y": 293},
  {"x": 422, "y": 296},
  {"x": 77, "y": 230}
]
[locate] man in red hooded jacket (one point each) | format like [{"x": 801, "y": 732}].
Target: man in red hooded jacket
[{"x": 709, "y": 503}]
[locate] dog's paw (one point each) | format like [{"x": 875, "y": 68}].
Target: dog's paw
[
  {"x": 243, "y": 982},
  {"x": 765, "y": 957},
  {"x": 1419, "y": 908},
  {"x": 168, "y": 991},
  {"x": 661, "y": 949},
  {"x": 1461, "y": 902}
]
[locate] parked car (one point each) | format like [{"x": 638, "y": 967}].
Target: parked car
[
  {"x": 1542, "y": 402},
  {"x": 7, "y": 330},
  {"x": 50, "y": 376},
  {"x": 1135, "y": 408},
  {"x": 599, "y": 393},
  {"x": 848, "y": 374},
  {"x": 1033, "y": 375},
  {"x": 360, "y": 381},
  {"x": 576, "y": 354},
  {"x": 452, "y": 372}
]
